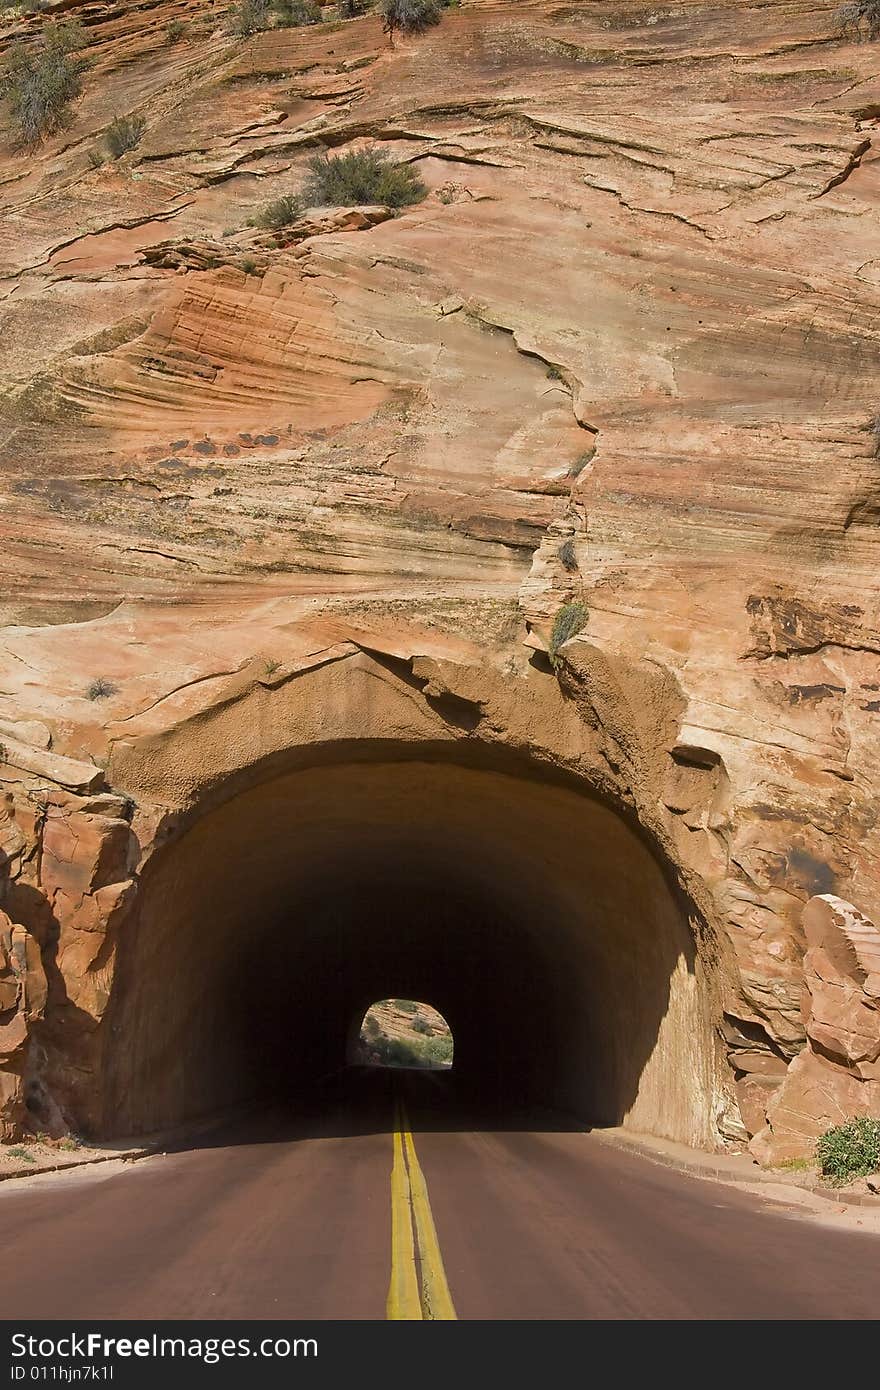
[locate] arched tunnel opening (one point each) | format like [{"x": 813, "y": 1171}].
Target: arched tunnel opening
[
  {"x": 402, "y": 1033},
  {"x": 546, "y": 930}
]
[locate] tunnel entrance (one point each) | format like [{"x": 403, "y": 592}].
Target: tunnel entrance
[
  {"x": 542, "y": 926},
  {"x": 403, "y": 1033}
]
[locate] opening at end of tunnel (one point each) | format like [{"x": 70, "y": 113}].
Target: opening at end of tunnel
[{"x": 403, "y": 1033}]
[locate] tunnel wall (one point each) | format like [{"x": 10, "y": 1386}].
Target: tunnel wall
[{"x": 532, "y": 916}]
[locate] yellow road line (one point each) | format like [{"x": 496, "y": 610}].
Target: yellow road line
[
  {"x": 403, "y": 1303},
  {"x": 436, "y": 1298},
  {"x": 410, "y": 1208}
]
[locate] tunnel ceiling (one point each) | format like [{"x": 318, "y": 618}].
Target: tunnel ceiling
[{"x": 531, "y": 916}]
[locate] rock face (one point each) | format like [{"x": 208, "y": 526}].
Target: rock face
[
  {"x": 22, "y": 1001},
  {"x": 837, "y": 1075},
  {"x": 624, "y": 353}
]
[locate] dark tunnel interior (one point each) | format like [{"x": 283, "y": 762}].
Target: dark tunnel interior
[{"x": 530, "y": 915}]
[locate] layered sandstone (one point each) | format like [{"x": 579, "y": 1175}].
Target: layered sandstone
[
  {"x": 837, "y": 1075},
  {"x": 636, "y": 313}
]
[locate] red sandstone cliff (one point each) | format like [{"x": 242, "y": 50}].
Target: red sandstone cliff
[{"x": 637, "y": 311}]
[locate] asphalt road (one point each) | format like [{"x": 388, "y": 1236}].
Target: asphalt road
[{"x": 481, "y": 1219}]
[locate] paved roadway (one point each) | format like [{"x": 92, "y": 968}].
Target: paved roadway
[{"x": 480, "y": 1220}]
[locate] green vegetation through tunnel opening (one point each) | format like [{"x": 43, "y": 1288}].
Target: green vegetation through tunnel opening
[{"x": 404, "y": 1033}]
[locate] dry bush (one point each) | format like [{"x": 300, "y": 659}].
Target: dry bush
[
  {"x": 42, "y": 79},
  {"x": 361, "y": 177},
  {"x": 858, "y": 20}
]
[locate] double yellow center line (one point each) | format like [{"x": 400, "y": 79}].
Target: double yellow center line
[{"x": 418, "y": 1287}]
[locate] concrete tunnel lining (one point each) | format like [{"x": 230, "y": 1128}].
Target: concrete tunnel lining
[{"x": 531, "y": 915}]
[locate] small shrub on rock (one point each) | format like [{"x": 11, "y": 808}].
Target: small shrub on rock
[
  {"x": 569, "y": 621},
  {"x": 850, "y": 1150},
  {"x": 256, "y": 16},
  {"x": 281, "y": 212},
  {"x": 352, "y": 9},
  {"x": 409, "y": 16},
  {"x": 290, "y": 14},
  {"x": 438, "y": 1051},
  {"x": 248, "y": 17},
  {"x": 858, "y": 20},
  {"x": 100, "y": 689},
  {"x": 175, "y": 31},
  {"x": 42, "y": 80},
  {"x": 359, "y": 177},
  {"x": 124, "y": 133}
]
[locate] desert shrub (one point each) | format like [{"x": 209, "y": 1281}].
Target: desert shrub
[
  {"x": 873, "y": 429},
  {"x": 568, "y": 556},
  {"x": 570, "y": 620},
  {"x": 406, "y": 1006},
  {"x": 361, "y": 176},
  {"x": 290, "y": 14},
  {"x": 438, "y": 1051},
  {"x": 175, "y": 31},
  {"x": 409, "y": 16},
  {"x": 372, "y": 1026},
  {"x": 421, "y": 1025},
  {"x": 850, "y": 1150},
  {"x": 249, "y": 266},
  {"x": 41, "y": 80},
  {"x": 352, "y": 9},
  {"x": 248, "y": 17},
  {"x": 396, "y": 1052},
  {"x": 124, "y": 133},
  {"x": 22, "y": 1154},
  {"x": 255, "y": 16},
  {"x": 401, "y": 1052},
  {"x": 100, "y": 689},
  {"x": 281, "y": 212},
  {"x": 858, "y": 19}
]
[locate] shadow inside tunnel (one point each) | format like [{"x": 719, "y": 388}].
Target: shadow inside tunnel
[{"x": 363, "y": 1100}]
